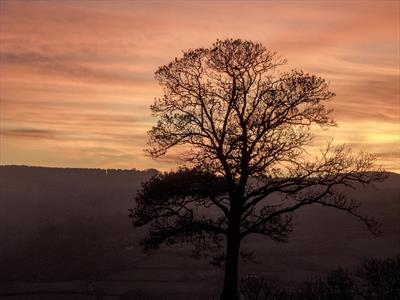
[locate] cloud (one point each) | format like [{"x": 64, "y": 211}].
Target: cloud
[
  {"x": 80, "y": 76},
  {"x": 50, "y": 67},
  {"x": 28, "y": 133}
]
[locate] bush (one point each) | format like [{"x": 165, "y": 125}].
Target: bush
[
  {"x": 377, "y": 279},
  {"x": 337, "y": 284},
  {"x": 259, "y": 288},
  {"x": 380, "y": 278}
]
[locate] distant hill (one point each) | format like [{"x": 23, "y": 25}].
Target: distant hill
[
  {"x": 71, "y": 224},
  {"x": 41, "y": 193},
  {"x": 32, "y": 197}
]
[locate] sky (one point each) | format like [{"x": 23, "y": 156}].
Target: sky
[{"x": 77, "y": 77}]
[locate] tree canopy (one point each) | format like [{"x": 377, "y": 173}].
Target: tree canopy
[{"x": 244, "y": 127}]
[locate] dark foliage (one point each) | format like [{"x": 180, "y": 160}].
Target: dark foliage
[
  {"x": 376, "y": 279},
  {"x": 381, "y": 278},
  {"x": 172, "y": 204},
  {"x": 256, "y": 288},
  {"x": 337, "y": 284}
]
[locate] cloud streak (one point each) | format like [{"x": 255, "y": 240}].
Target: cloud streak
[{"x": 79, "y": 77}]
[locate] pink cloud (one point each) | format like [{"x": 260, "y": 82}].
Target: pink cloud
[{"x": 86, "y": 71}]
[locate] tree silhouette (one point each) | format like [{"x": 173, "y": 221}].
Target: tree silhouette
[
  {"x": 242, "y": 128},
  {"x": 380, "y": 278}
]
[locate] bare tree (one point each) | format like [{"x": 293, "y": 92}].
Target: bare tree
[{"x": 244, "y": 127}]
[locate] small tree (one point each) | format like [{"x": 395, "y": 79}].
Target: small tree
[
  {"x": 243, "y": 128},
  {"x": 260, "y": 288},
  {"x": 337, "y": 284},
  {"x": 381, "y": 278}
]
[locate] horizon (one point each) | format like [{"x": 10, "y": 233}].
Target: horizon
[
  {"x": 77, "y": 79},
  {"x": 127, "y": 169}
]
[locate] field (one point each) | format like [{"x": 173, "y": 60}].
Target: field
[{"x": 68, "y": 230}]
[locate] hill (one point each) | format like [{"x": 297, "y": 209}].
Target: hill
[
  {"x": 71, "y": 225},
  {"x": 75, "y": 205}
]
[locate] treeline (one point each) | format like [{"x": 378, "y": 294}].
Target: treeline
[
  {"x": 374, "y": 279},
  {"x": 31, "y": 188},
  {"x": 11, "y": 170}
]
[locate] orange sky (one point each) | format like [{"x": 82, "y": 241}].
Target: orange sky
[{"x": 76, "y": 77}]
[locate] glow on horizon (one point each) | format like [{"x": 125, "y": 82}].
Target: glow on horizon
[{"x": 76, "y": 79}]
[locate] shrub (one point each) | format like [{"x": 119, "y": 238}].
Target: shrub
[
  {"x": 337, "y": 284},
  {"x": 380, "y": 278},
  {"x": 259, "y": 288}
]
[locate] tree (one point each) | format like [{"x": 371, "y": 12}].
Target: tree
[
  {"x": 380, "y": 278},
  {"x": 242, "y": 128},
  {"x": 337, "y": 284}
]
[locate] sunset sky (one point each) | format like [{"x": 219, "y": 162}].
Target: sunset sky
[{"x": 77, "y": 77}]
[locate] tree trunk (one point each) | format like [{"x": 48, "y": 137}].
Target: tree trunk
[{"x": 230, "y": 289}]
